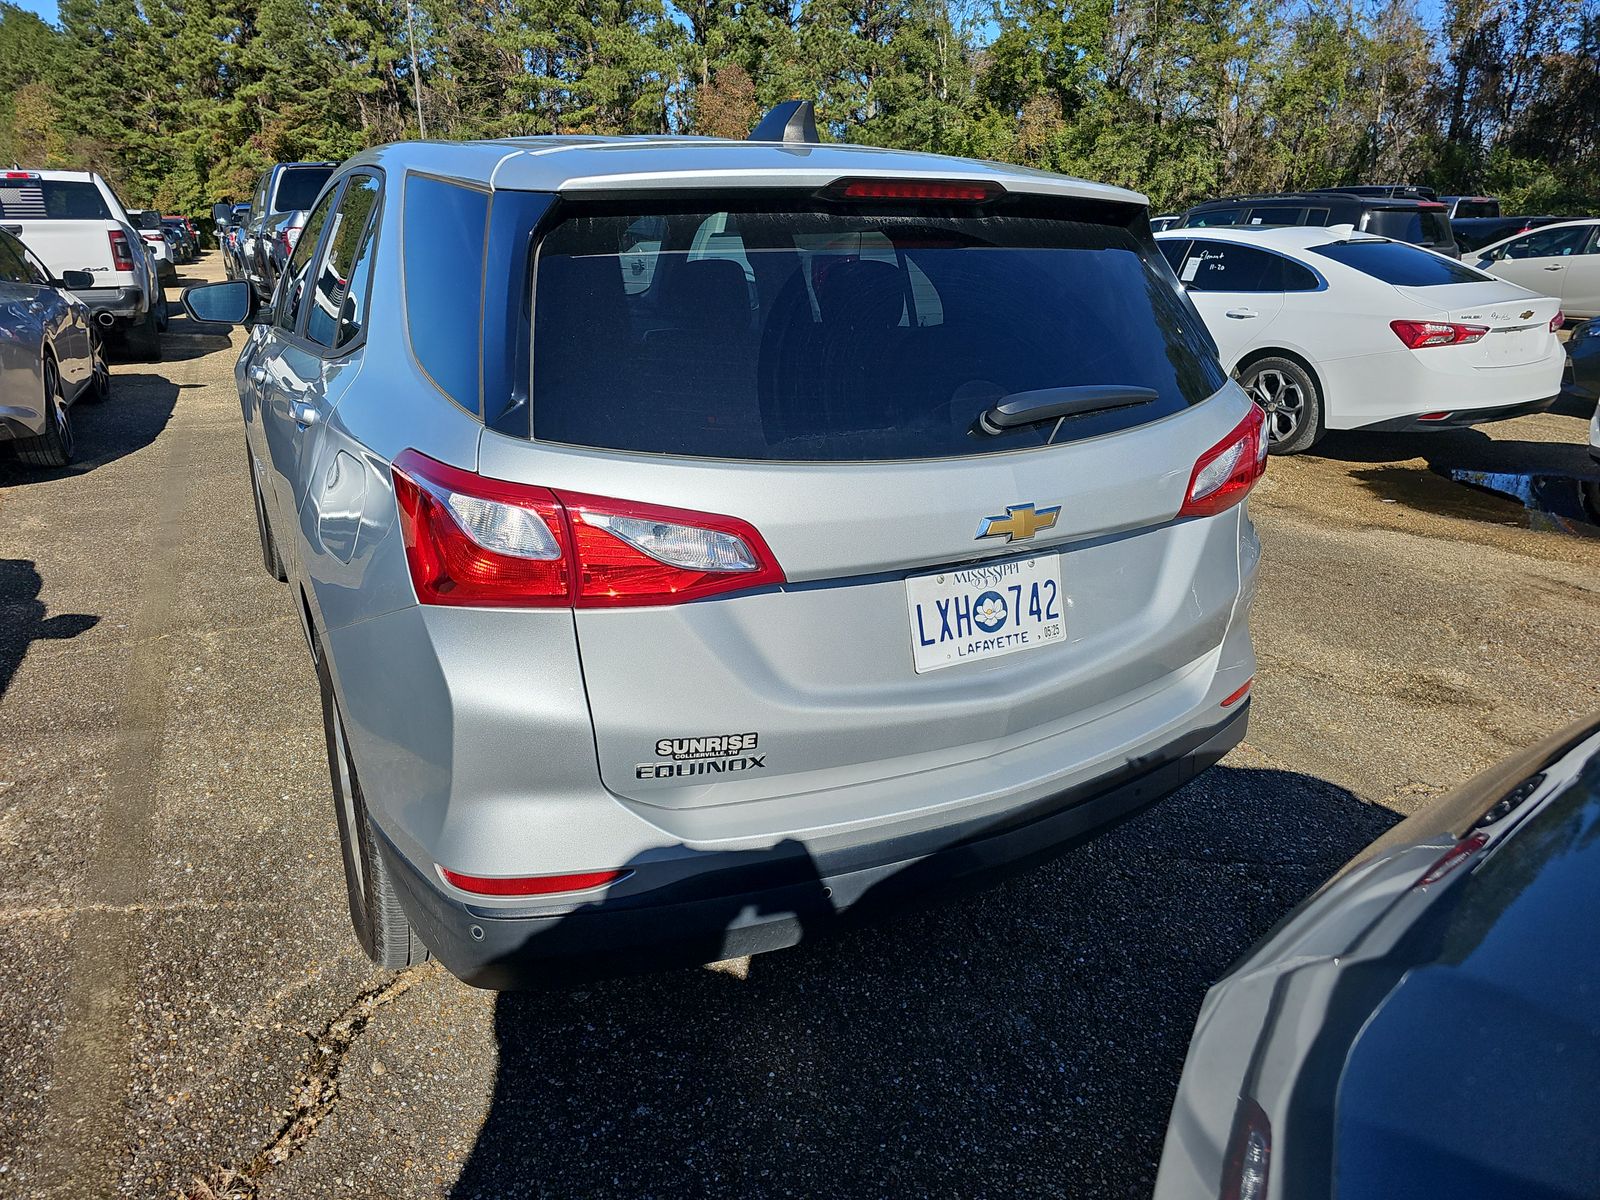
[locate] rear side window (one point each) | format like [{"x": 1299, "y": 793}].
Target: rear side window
[
  {"x": 1549, "y": 243},
  {"x": 835, "y": 336},
  {"x": 1419, "y": 226},
  {"x": 1399, "y": 264},
  {"x": 52, "y": 200},
  {"x": 443, "y": 251},
  {"x": 1217, "y": 216},
  {"x": 1276, "y": 215},
  {"x": 298, "y": 188}
]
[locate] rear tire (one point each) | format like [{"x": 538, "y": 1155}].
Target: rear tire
[
  {"x": 270, "y": 558},
  {"x": 379, "y": 921},
  {"x": 52, "y": 447},
  {"x": 144, "y": 339},
  {"x": 1288, "y": 395},
  {"x": 99, "y": 389}
]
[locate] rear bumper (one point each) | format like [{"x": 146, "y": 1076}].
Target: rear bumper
[
  {"x": 1459, "y": 418},
  {"x": 124, "y": 303},
  {"x": 746, "y": 902}
]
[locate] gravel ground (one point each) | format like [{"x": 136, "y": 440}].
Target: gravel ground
[{"x": 183, "y": 1011}]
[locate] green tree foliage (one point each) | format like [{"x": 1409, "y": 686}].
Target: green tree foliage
[{"x": 183, "y": 102}]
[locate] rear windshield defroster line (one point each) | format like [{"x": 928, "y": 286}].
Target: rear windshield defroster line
[{"x": 843, "y": 336}]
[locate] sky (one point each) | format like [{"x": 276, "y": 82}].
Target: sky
[{"x": 45, "y": 8}]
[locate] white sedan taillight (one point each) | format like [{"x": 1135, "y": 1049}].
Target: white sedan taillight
[{"x": 490, "y": 543}]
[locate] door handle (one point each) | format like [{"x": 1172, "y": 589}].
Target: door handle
[
  {"x": 304, "y": 413},
  {"x": 258, "y": 375},
  {"x": 1241, "y": 314},
  {"x": 1556, "y": 267}
]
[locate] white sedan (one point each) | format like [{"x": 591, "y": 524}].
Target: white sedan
[
  {"x": 1333, "y": 329},
  {"x": 1559, "y": 260}
]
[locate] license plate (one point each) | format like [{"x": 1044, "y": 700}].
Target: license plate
[
  {"x": 1513, "y": 345},
  {"x": 985, "y": 612}
]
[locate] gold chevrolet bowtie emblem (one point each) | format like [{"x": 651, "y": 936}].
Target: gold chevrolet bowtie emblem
[
  {"x": 1021, "y": 521},
  {"x": 1527, "y": 314}
]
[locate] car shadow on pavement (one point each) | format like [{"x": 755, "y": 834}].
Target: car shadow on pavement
[
  {"x": 23, "y": 620},
  {"x": 138, "y": 410},
  {"x": 1025, "y": 1040}
]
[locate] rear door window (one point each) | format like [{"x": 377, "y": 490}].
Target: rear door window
[
  {"x": 827, "y": 336},
  {"x": 339, "y": 288},
  {"x": 1225, "y": 267},
  {"x": 1549, "y": 243},
  {"x": 298, "y": 187},
  {"x": 1276, "y": 215},
  {"x": 1419, "y": 226},
  {"x": 1399, "y": 264},
  {"x": 295, "y": 276}
]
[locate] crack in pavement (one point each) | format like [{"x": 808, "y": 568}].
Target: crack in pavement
[{"x": 316, "y": 1093}]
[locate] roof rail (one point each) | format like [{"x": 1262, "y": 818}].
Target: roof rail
[{"x": 793, "y": 121}]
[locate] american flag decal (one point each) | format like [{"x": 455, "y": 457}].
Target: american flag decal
[{"x": 22, "y": 203}]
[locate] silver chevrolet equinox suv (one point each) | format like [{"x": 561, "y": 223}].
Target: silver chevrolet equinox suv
[{"x": 701, "y": 543}]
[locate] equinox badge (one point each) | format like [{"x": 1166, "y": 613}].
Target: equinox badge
[{"x": 1020, "y": 521}]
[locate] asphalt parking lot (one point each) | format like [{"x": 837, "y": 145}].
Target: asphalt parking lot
[{"x": 183, "y": 1011}]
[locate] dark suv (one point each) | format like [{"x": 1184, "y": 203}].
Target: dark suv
[{"x": 1424, "y": 223}]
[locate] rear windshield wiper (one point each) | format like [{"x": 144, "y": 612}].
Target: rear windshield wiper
[{"x": 1054, "y": 404}]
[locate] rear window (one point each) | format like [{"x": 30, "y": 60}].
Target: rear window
[
  {"x": 1478, "y": 208},
  {"x": 52, "y": 200},
  {"x": 1399, "y": 264},
  {"x": 841, "y": 336},
  {"x": 298, "y": 188},
  {"x": 1419, "y": 226}
]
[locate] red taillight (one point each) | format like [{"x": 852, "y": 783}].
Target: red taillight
[
  {"x": 121, "y": 253},
  {"x": 529, "y": 885},
  {"x": 22, "y": 175},
  {"x": 1557, "y": 321},
  {"x": 489, "y": 543},
  {"x": 1458, "y": 855},
  {"x": 1439, "y": 416},
  {"x": 1249, "y": 1159},
  {"x": 288, "y": 238},
  {"x": 1236, "y": 696},
  {"x": 914, "y": 189},
  {"x": 1224, "y": 474},
  {"x": 480, "y": 542},
  {"x": 1418, "y": 335}
]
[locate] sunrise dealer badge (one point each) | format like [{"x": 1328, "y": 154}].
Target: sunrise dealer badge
[{"x": 710, "y": 754}]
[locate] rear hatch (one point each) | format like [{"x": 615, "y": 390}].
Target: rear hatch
[
  {"x": 817, "y": 372},
  {"x": 66, "y": 222}
]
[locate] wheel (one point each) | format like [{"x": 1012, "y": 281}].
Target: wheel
[
  {"x": 99, "y": 389},
  {"x": 270, "y": 558},
  {"x": 1590, "y": 491},
  {"x": 163, "y": 315},
  {"x": 375, "y": 913},
  {"x": 1290, "y": 399},
  {"x": 144, "y": 339},
  {"x": 53, "y": 446}
]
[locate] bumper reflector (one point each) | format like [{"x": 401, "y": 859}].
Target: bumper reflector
[
  {"x": 529, "y": 885},
  {"x": 1234, "y": 697}
]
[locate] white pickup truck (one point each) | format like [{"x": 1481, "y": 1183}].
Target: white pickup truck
[{"x": 74, "y": 222}]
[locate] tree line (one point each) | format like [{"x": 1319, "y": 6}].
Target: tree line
[{"x": 183, "y": 102}]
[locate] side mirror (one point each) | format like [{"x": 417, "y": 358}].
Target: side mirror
[
  {"x": 77, "y": 281},
  {"x": 230, "y": 303},
  {"x": 221, "y": 212}
]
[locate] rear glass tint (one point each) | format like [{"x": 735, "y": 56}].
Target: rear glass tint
[
  {"x": 1478, "y": 208},
  {"x": 298, "y": 188},
  {"x": 809, "y": 336},
  {"x": 1216, "y": 216},
  {"x": 52, "y": 200},
  {"x": 1420, "y": 226},
  {"x": 1399, "y": 264}
]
